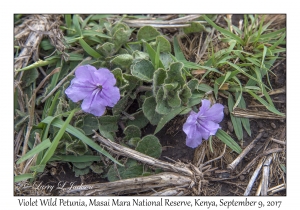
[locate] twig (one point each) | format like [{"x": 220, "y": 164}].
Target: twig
[
  {"x": 63, "y": 80},
  {"x": 278, "y": 141},
  {"x": 144, "y": 158},
  {"x": 265, "y": 175},
  {"x": 247, "y": 113},
  {"x": 253, "y": 177},
  {"x": 277, "y": 188},
  {"x": 232, "y": 165}
]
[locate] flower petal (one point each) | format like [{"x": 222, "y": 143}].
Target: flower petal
[
  {"x": 204, "y": 107},
  {"x": 85, "y": 73},
  {"x": 208, "y": 128},
  {"x": 93, "y": 105},
  {"x": 104, "y": 78},
  {"x": 110, "y": 96},
  {"x": 194, "y": 137},
  {"x": 215, "y": 113},
  {"x": 78, "y": 90}
]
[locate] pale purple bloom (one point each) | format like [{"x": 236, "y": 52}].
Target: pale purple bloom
[
  {"x": 203, "y": 124},
  {"x": 95, "y": 87}
]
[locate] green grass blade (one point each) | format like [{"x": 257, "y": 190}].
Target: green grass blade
[
  {"x": 22, "y": 177},
  {"x": 77, "y": 25},
  {"x": 152, "y": 55},
  {"x": 224, "y": 31},
  {"x": 75, "y": 159},
  {"x": 49, "y": 153},
  {"x": 59, "y": 123},
  {"x": 272, "y": 35},
  {"x": 38, "y": 64},
  {"x": 278, "y": 42},
  {"x": 236, "y": 121},
  {"x": 263, "y": 56},
  {"x": 262, "y": 101},
  {"x": 68, "y": 20},
  {"x": 88, "y": 49},
  {"x": 157, "y": 59},
  {"x": 245, "y": 121},
  {"x": 226, "y": 139},
  {"x": 40, "y": 147},
  {"x": 177, "y": 51},
  {"x": 240, "y": 95}
]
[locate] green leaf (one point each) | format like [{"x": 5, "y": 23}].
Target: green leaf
[
  {"x": 149, "y": 110},
  {"x": 107, "y": 49},
  {"x": 263, "y": 102},
  {"x": 139, "y": 120},
  {"x": 77, "y": 25},
  {"x": 164, "y": 44},
  {"x": 37, "y": 64},
  {"x": 194, "y": 28},
  {"x": 108, "y": 123},
  {"x": 120, "y": 106},
  {"x": 59, "y": 123},
  {"x": 40, "y": 147},
  {"x": 147, "y": 33},
  {"x": 49, "y": 153},
  {"x": 178, "y": 53},
  {"x": 131, "y": 131},
  {"x": 166, "y": 118},
  {"x": 245, "y": 121},
  {"x": 143, "y": 70},
  {"x": 131, "y": 169},
  {"x": 22, "y": 177},
  {"x": 29, "y": 77},
  {"x": 124, "y": 60},
  {"x": 225, "y": 138},
  {"x": 150, "y": 146},
  {"x": 236, "y": 121},
  {"x": 153, "y": 55},
  {"x": 82, "y": 165},
  {"x": 88, "y": 49},
  {"x": 159, "y": 77},
  {"x": 175, "y": 74},
  {"x": 89, "y": 124}
]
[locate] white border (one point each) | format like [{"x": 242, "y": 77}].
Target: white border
[{"x": 146, "y": 7}]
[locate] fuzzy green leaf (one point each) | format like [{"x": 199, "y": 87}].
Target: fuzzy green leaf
[
  {"x": 150, "y": 146},
  {"x": 143, "y": 70},
  {"x": 147, "y": 33},
  {"x": 149, "y": 110}
]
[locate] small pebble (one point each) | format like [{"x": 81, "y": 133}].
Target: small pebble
[
  {"x": 273, "y": 125},
  {"x": 260, "y": 125},
  {"x": 230, "y": 126},
  {"x": 53, "y": 171},
  {"x": 226, "y": 111},
  {"x": 265, "y": 135},
  {"x": 242, "y": 177}
]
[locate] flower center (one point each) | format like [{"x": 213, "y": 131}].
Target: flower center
[{"x": 99, "y": 87}]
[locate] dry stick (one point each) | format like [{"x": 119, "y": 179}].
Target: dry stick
[
  {"x": 232, "y": 165},
  {"x": 270, "y": 151},
  {"x": 258, "y": 189},
  {"x": 63, "y": 80},
  {"x": 278, "y": 141},
  {"x": 265, "y": 175},
  {"x": 31, "y": 105},
  {"x": 253, "y": 177},
  {"x": 133, "y": 184},
  {"x": 144, "y": 158},
  {"x": 247, "y": 113},
  {"x": 277, "y": 188}
]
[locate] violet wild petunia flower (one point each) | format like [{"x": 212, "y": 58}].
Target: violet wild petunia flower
[
  {"x": 203, "y": 124},
  {"x": 95, "y": 87}
]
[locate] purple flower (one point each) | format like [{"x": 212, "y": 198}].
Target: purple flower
[
  {"x": 203, "y": 124},
  {"x": 95, "y": 88}
]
